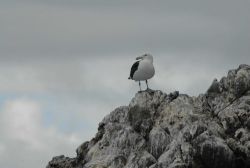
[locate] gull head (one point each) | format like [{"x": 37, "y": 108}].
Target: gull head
[{"x": 145, "y": 57}]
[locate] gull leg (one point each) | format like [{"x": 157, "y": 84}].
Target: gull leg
[
  {"x": 147, "y": 84},
  {"x": 148, "y": 89},
  {"x": 140, "y": 85}
]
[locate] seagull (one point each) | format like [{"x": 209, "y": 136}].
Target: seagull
[{"x": 143, "y": 69}]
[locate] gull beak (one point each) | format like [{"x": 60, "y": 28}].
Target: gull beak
[{"x": 139, "y": 58}]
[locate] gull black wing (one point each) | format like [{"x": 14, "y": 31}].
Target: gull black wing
[{"x": 133, "y": 69}]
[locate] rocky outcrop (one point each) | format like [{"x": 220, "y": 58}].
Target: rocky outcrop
[{"x": 159, "y": 130}]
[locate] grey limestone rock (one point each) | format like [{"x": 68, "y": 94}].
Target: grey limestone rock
[{"x": 159, "y": 130}]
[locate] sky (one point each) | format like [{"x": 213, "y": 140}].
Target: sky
[{"x": 64, "y": 64}]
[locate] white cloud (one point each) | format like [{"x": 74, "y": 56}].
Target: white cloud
[
  {"x": 2, "y": 149},
  {"x": 22, "y": 122},
  {"x": 40, "y": 77},
  {"x": 24, "y": 137}
]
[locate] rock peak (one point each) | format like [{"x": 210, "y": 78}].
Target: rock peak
[{"x": 159, "y": 130}]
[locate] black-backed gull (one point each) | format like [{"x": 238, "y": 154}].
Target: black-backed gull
[{"x": 143, "y": 69}]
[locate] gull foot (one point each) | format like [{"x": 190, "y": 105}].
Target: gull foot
[{"x": 149, "y": 90}]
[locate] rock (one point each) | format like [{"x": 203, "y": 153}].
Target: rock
[
  {"x": 215, "y": 87},
  {"x": 159, "y": 130},
  {"x": 213, "y": 151},
  {"x": 229, "y": 120},
  {"x": 248, "y": 123},
  {"x": 62, "y": 161},
  {"x": 173, "y": 95},
  {"x": 140, "y": 160},
  {"x": 140, "y": 119},
  {"x": 159, "y": 139},
  {"x": 177, "y": 164},
  {"x": 81, "y": 151}
]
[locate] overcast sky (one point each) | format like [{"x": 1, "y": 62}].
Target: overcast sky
[{"x": 64, "y": 64}]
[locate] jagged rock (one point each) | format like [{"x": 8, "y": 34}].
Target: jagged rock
[
  {"x": 229, "y": 120},
  {"x": 140, "y": 119},
  {"x": 159, "y": 139},
  {"x": 62, "y": 161},
  {"x": 173, "y": 95},
  {"x": 159, "y": 130},
  {"x": 81, "y": 151},
  {"x": 213, "y": 151},
  {"x": 140, "y": 160},
  {"x": 248, "y": 123},
  {"x": 215, "y": 87}
]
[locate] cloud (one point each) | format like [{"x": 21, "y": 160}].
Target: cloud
[
  {"x": 21, "y": 122},
  {"x": 24, "y": 137},
  {"x": 40, "y": 77},
  {"x": 2, "y": 149},
  {"x": 48, "y": 30}
]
